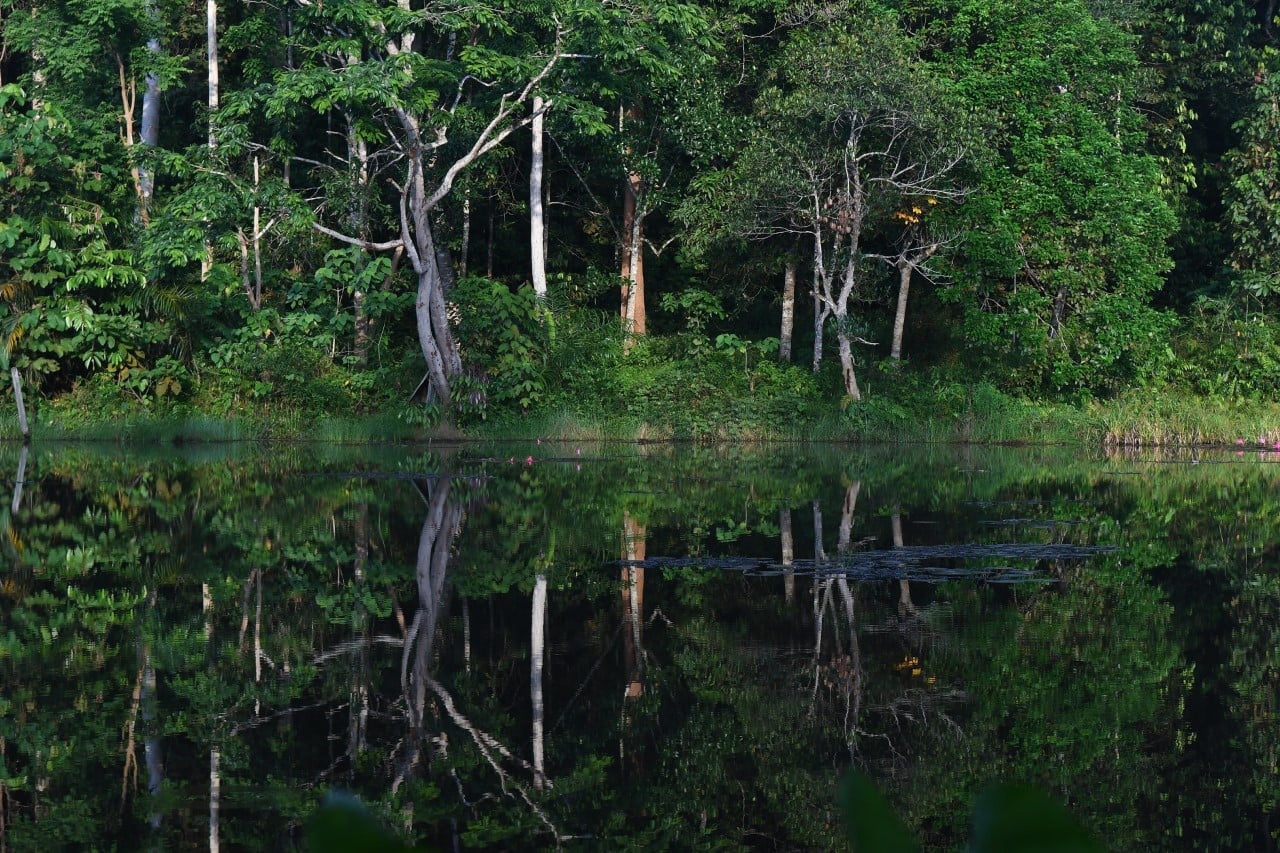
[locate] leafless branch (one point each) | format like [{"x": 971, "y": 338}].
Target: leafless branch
[{"x": 356, "y": 241}]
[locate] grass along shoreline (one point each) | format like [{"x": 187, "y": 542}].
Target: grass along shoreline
[{"x": 983, "y": 415}]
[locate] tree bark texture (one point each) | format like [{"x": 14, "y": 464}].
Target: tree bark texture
[
  {"x": 633, "y": 215},
  {"x": 537, "y": 223},
  {"x": 900, "y": 316},
  {"x": 788, "y": 310}
]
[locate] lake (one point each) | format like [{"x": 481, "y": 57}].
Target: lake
[{"x": 622, "y": 646}]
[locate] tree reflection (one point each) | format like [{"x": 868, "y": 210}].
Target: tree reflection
[{"x": 249, "y": 637}]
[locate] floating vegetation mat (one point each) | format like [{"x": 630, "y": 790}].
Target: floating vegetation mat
[{"x": 913, "y": 563}]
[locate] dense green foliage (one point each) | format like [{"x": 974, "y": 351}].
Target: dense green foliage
[{"x": 1086, "y": 194}]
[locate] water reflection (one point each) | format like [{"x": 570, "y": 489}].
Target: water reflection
[{"x": 503, "y": 649}]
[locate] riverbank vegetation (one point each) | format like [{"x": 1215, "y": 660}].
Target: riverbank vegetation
[{"x": 928, "y": 219}]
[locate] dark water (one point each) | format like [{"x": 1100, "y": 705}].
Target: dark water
[{"x": 621, "y": 647}]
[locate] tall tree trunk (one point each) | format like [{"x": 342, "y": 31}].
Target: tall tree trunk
[
  {"x": 845, "y": 347},
  {"x": 537, "y": 224},
  {"x": 358, "y": 224},
  {"x": 788, "y": 310},
  {"x": 844, "y": 342},
  {"x": 900, "y": 316},
  {"x": 149, "y": 130},
  {"x": 211, "y": 43},
  {"x": 465, "y": 252},
  {"x": 820, "y": 308},
  {"x": 633, "y": 216}
]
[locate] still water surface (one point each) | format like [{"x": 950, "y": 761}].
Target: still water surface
[{"x": 634, "y": 647}]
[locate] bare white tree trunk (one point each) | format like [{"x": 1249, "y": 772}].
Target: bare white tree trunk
[
  {"x": 537, "y": 223},
  {"x": 211, "y": 44},
  {"x": 900, "y": 315},
  {"x": 788, "y": 310},
  {"x": 22, "y": 409},
  {"x": 465, "y": 253},
  {"x": 149, "y": 131},
  {"x": 845, "y": 347}
]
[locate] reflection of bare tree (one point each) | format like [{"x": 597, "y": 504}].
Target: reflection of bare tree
[
  {"x": 434, "y": 543},
  {"x": 788, "y": 554},
  {"x": 19, "y": 480},
  {"x": 537, "y": 655},
  {"x": 634, "y": 550},
  {"x": 443, "y": 521},
  {"x": 905, "y": 606},
  {"x": 845, "y": 671},
  {"x": 358, "y": 692},
  {"x": 875, "y": 706},
  {"x": 144, "y": 706},
  {"x": 845, "y": 540},
  {"x": 215, "y": 748},
  {"x": 819, "y": 551}
]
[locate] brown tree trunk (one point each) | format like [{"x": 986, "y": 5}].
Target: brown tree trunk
[{"x": 633, "y": 311}]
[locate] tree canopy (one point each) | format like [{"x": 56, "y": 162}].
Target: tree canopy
[{"x": 1080, "y": 185}]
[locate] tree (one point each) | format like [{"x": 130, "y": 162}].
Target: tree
[
  {"x": 410, "y": 91},
  {"x": 1065, "y": 230},
  {"x": 1254, "y": 192},
  {"x": 854, "y": 126},
  {"x": 638, "y": 60}
]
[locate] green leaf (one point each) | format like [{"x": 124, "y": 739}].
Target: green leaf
[
  {"x": 1014, "y": 819},
  {"x": 343, "y": 824},
  {"x": 870, "y": 822}
]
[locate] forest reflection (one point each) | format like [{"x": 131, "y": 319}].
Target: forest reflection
[{"x": 633, "y": 647}]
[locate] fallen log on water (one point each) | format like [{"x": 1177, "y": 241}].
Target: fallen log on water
[{"x": 913, "y": 563}]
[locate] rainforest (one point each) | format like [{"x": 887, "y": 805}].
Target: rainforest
[{"x": 946, "y": 219}]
